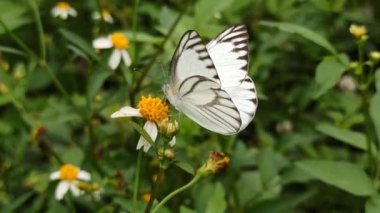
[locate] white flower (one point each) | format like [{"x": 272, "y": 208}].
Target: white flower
[
  {"x": 69, "y": 176},
  {"x": 105, "y": 15},
  {"x": 119, "y": 43},
  {"x": 63, "y": 10},
  {"x": 347, "y": 83},
  {"x": 154, "y": 110}
]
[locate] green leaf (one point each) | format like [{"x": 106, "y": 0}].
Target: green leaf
[
  {"x": 184, "y": 209},
  {"x": 73, "y": 155},
  {"x": 80, "y": 42},
  {"x": 14, "y": 15},
  {"x": 185, "y": 167},
  {"x": 97, "y": 79},
  {"x": 302, "y": 31},
  {"x": 346, "y": 176},
  {"x": 205, "y": 10},
  {"x": 284, "y": 203},
  {"x": 375, "y": 113},
  {"x": 217, "y": 203},
  {"x": 143, "y": 133},
  {"x": 18, "y": 202},
  {"x": 143, "y": 37},
  {"x": 11, "y": 50},
  {"x": 329, "y": 5},
  {"x": 373, "y": 204},
  {"x": 377, "y": 80},
  {"x": 328, "y": 73},
  {"x": 355, "y": 139}
]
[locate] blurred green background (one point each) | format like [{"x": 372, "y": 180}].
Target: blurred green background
[{"x": 312, "y": 147}]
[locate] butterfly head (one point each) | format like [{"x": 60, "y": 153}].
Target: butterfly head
[{"x": 171, "y": 93}]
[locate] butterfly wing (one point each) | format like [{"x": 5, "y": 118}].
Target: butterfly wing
[
  {"x": 195, "y": 88},
  {"x": 229, "y": 52}
]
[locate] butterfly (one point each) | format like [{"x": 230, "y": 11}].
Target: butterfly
[{"x": 209, "y": 83}]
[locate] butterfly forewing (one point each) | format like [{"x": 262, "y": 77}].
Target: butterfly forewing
[
  {"x": 191, "y": 58},
  {"x": 198, "y": 91},
  {"x": 229, "y": 52}
]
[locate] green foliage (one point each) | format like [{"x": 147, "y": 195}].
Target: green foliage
[{"x": 313, "y": 145}]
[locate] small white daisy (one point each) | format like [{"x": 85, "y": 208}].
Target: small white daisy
[
  {"x": 105, "y": 14},
  {"x": 69, "y": 176},
  {"x": 119, "y": 43},
  {"x": 63, "y": 10},
  {"x": 154, "y": 110}
]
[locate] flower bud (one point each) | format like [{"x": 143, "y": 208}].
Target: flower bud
[
  {"x": 374, "y": 56},
  {"x": 146, "y": 196},
  {"x": 169, "y": 128},
  {"x": 358, "y": 31},
  {"x": 3, "y": 88},
  {"x": 347, "y": 83},
  {"x": 19, "y": 71},
  {"x": 217, "y": 162},
  {"x": 284, "y": 126},
  {"x": 169, "y": 154}
]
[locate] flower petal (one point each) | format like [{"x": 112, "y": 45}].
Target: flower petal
[
  {"x": 173, "y": 141},
  {"x": 126, "y": 58},
  {"x": 115, "y": 59},
  {"x": 108, "y": 19},
  {"x": 55, "y": 12},
  {"x": 72, "y": 12},
  {"x": 63, "y": 15},
  {"x": 61, "y": 189},
  {"x": 102, "y": 43},
  {"x": 55, "y": 175},
  {"x": 126, "y": 112},
  {"x": 83, "y": 175},
  {"x": 151, "y": 128},
  {"x": 74, "y": 189}
]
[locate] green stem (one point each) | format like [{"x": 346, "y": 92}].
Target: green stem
[
  {"x": 18, "y": 41},
  {"x": 177, "y": 191},
  {"x": 155, "y": 187},
  {"x": 103, "y": 25},
  {"x": 137, "y": 180},
  {"x": 40, "y": 30},
  {"x": 368, "y": 130},
  {"x": 134, "y": 28},
  {"x": 159, "y": 51},
  {"x": 56, "y": 82}
]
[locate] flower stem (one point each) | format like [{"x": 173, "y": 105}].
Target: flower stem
[
  {"x": 103, "y": 25},
  {"x": 134, "y": 28},
  {"x": 40, "y": 30},
  {"x": 18, "y": 41},
  {"x": 137, "y": 180},
  {"x": 56, "y": 82},
  {"x": 177, "y": 191},
  {"x": 155, "y": 187},
  {"x": 159, "y": 51}
]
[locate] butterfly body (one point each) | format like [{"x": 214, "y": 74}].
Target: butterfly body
[{"x": 209, "y": 83}]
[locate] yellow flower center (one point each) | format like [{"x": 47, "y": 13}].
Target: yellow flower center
[
  {"x": 358, "y": 31},
  {"x": 105, "y": 13},
  {"x": 153, "y": 109},
  {"x": 146, "y": 197},
  {"x": 68, "y": 172},
  {"x": 119, "y": 41},
  {"x": 63, "y": 5}
]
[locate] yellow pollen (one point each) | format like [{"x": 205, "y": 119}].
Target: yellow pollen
[
  {"x": 63, "y": 5},
  {"x": 145, "y": 197},
  {"x": 68, "y": 172},
  {"x": 153, "y": 109},
  {"x": 119, "y": 41},
  {"x": 105, "y": 13}
]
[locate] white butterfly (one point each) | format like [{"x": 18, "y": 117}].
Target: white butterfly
[{"x": 210, "y": 84}]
